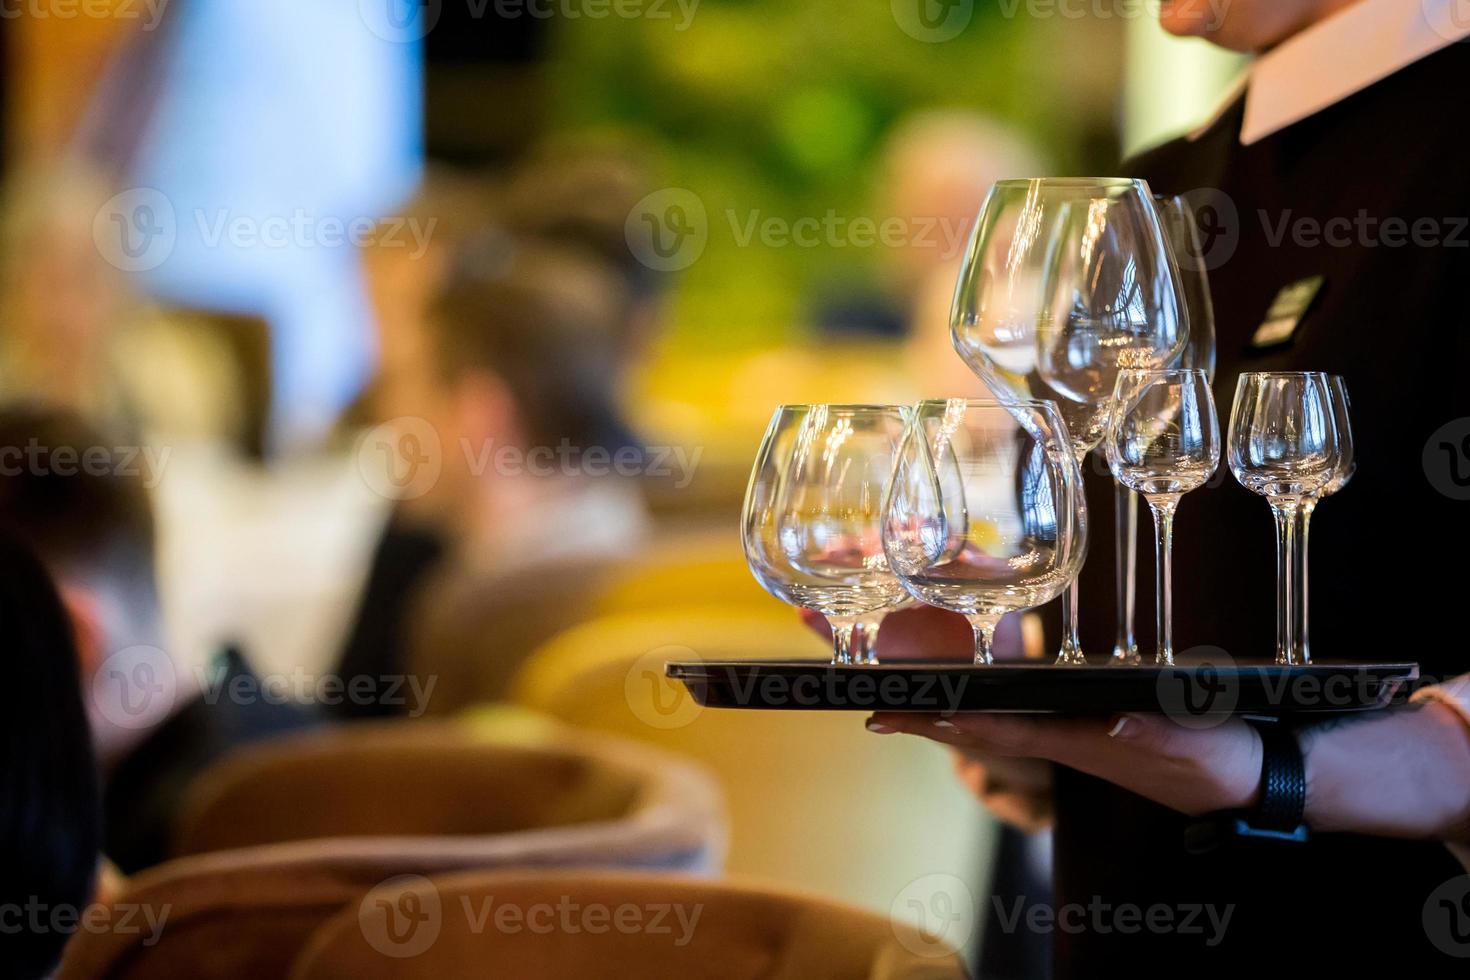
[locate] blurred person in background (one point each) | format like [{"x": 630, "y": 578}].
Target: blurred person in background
[
  {"x": 580, "y": 199},
  {"x": 79, "y": 500},
  {"x": 525, "y": 341},
  {"x": 50, "y": 829},
  {"x": 60, "y": 303},
  {"x": 532, "y": 339},
  {"x": 416, "y": 529},
  {"x": 935, "y": 170},
  {"x": 513, "y": 333}
]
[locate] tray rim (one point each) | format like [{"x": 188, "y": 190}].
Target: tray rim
[{"x": 710, "y": 683}]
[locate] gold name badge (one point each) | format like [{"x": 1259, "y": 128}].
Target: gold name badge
[{"x": 1286, "y": 312}]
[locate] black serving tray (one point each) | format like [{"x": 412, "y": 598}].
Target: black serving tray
[{"x": 1184, "y": 692}]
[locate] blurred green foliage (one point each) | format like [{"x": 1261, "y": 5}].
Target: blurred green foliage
[{"x": 781, "y": 106}]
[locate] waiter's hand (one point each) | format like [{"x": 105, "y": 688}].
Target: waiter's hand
[
  {"x": 1404, "y": 772},
  {"x": 1188, "y": 770},
  {"x": 1015, "y": 790}
]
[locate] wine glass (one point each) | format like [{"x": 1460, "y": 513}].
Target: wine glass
[
  {"x": 1164, "y": 442},
  {"x": 985, "y": 514},
  {"x": 1181, "y": 231},
  {"x": 1066, "y": 283},
  {"x": 1347, "y": 465},
  {"x": 812, "y": 512},
  {"x": 1283, "y": 445}
]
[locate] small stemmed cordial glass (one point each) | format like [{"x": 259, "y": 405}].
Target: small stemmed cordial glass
[
  {"x": 985, "y": 514},
  {"x": 1164, "y": 442},
  {"x": 813, "y": 508},
  {"x": 1346, "y": 465},
  {"x": 1283, "y": 445},
  {"x": 1181, "y": 230}
]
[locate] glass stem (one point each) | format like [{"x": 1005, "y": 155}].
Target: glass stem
[
  {"x": 1125, "y": 508},
  {"x": 1304, "y": 535},
  {"x": 1163, "y": 506},
  {"x": 1071, "y": 652},
  {"x": 1285, "y": 510},
  {"x": 865, "y": 638},
  {"x": 842, "y": 627},
  {"x": 984, "y": 628}
]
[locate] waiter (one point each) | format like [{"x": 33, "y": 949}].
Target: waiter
[{"x": 1334, "y": 198}]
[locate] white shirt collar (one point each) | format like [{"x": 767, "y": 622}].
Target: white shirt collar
[{"x": 1340, "y": 56}]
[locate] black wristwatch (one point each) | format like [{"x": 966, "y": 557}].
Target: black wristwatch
[{"x": 1278, "y": 815}]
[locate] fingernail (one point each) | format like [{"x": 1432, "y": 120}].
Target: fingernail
[
  {"x": 1121, "y": 727},
  {"x": 873, "y": 726},
  {"x": 942, "y": 723}
]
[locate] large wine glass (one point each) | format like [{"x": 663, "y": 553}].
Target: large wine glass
[
  {"x": 1065, "y": 284},
  {"x": 1181, "y": 230},
  {"x": 812, "y": 511}
]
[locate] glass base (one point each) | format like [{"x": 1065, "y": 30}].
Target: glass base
[
  {"x": 1071, "y": 657},
  {"x": 1129, "y": 657}
]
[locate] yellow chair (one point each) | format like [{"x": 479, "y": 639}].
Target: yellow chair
[
  {"x": 681, "y": 569},
  {"x": 814, "y": 800},
  {"x": 282, "y": 835}
]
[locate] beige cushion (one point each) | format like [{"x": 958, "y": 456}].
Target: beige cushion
[
  {"x": 390, "y": 790},
  {"x": 578, "y": 925}
]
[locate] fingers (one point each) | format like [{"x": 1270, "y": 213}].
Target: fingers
[
  {"x": 1190, "y": 770},
  {"x": 817, "y": 623},
  {"x": 998, "y": 734}
]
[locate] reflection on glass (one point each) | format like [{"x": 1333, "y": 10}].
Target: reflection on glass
[{"x": 985, "y": 514}]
